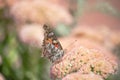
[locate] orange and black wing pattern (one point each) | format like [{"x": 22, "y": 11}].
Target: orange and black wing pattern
[{"x": 52, "y": 48}]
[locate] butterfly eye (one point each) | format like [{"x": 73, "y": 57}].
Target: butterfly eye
[{"x": 45, "y": 27}]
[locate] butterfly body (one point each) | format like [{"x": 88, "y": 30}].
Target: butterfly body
[{"x": 52, "y": 48}]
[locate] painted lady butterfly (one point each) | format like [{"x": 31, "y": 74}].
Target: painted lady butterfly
[{"x": 52, "y": 48}]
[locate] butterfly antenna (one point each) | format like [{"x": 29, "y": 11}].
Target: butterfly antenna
[{"x": 70, "y": 44}]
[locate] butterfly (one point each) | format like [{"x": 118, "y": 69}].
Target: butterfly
[{"x": 52, "y": 48}]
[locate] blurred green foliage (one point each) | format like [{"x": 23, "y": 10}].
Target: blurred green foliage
[{"x": 19, "y": 61}]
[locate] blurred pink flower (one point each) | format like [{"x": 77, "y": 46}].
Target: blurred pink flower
[
  {"x": 70, "y": 5},
  {"x": 1, "y": 4},
  {"x": 79, "y": 76},
  {"x": 40, "y": 11},
  {"x": 87, "y": 32},
  {"x": 84, "y": 60},
  {"x": 62, "y": 3},
  {"x": 11, "y": 2},
  {"x": 101, "y": 34},
  {"x": 1, "y": 77},
  {"x": 32, "y": 34}
]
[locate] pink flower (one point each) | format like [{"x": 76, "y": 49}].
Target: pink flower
[
  {"x": 84, "y": 60},
  {"x": 1, "y": 4},
  {"x": 32, "y": 34},
  {"x": 40, "y": 11},
  {"x": 79, "y": 76},
  {"x": 1, "y": 77}
]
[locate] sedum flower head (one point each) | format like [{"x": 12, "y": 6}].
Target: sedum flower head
[
  {"x": 32, "y": 34},
  {"x": 84, "y": 60},
  {"x": 79, "y": 76},
  {"x": 40, "y": 11}
]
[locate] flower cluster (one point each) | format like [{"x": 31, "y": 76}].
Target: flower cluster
[
  {"x": 102, "y": 35},
  {"x": 40, "y": 11},
  {"x": 79, "y": 76},
  {"x": 1, "y": 77},
  {"x": 85, "y": 61},
  {"x": 32, "y": 34},
  {"x": 1, "y": 4}
]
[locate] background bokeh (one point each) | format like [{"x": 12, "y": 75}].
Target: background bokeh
[{"x": 94, "y": 23}]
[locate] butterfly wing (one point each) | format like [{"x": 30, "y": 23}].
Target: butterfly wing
[{"x": 52, "y": 48}]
